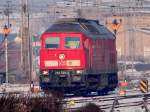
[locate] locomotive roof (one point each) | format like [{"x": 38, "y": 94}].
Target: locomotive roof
[{"x": 92, "y": 28}]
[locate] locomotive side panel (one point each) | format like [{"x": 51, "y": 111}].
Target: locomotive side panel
[
  {"x": 97, "y": 56},
  {"x": 103, "y": 63},
  {"x": 110, "y": 54},
  {"x": 103, "y": 55}
]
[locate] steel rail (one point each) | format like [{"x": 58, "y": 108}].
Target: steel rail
[{"x": 100, "y": 98}]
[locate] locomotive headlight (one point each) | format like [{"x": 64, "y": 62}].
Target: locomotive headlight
[
  {"x": 79, "y": 71},
  {"x": 61, "y": 56},
  {"x": 45, "y": 72}
]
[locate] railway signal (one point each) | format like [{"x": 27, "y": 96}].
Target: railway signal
[
  {"x": 6, "y": 31},
  {"x": 143, "y": 86},
  {"x": 116, "y": 25}
]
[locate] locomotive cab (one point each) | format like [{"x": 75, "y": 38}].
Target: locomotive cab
[
  {"x": 65, "y": 48},
  {"x": 62, "y": 59}
]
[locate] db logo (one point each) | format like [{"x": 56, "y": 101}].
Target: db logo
[{"x": 61, "y": 56}]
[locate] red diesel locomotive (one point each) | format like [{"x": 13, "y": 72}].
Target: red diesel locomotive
[{"x": 78, "y": 56}]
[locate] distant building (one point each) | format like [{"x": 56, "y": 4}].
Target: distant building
[{"x": 132, "y": 43}]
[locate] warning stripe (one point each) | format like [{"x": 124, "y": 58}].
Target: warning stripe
[
  {"x": 144, "y": 90},
  {"x": 144, "y": 86},
  {"x": 143, "y": 83}
]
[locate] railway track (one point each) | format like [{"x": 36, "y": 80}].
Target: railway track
[
  {"x": 111, "y": 102},
  {"x": 103, "y": 98}
]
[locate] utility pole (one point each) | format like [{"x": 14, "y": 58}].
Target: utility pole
[
  {"x": 6, "y": 32},
  {"x": 25, "y": 46},
  {"x": 6, "y": 58}
]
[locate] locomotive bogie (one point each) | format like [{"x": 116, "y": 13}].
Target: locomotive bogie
[{"x": 72, "y": 83}]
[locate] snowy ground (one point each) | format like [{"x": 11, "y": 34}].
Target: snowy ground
[{"x": 14, "y": 88}]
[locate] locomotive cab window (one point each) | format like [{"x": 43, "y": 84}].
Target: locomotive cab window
[
  {"x": 72, "y": 42},
  {"x": 52, "y": 42}
]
